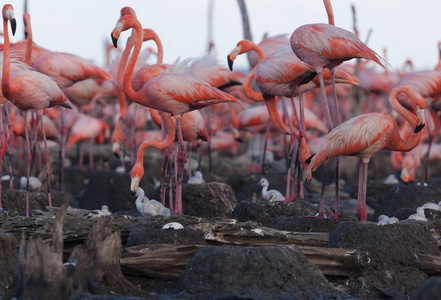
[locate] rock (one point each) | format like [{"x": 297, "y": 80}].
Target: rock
[
  {"x": 8, "y": 260},
  {"x": 112, "y": 189},
  {"x": 302, "y": 224},
  {"x": 208, "y": 200},
  {"x": 407, "y": 196},
  {"x": 275, "y": 272},
  {"x": 387, "y": 252},
  {"x": 429, "y": 289},
  {"x": 265, "y": 212},
  {"x": 14, "y": 201}
]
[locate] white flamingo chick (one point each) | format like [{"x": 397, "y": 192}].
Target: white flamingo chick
[
  {"x": 433, "y": 206},
  {"x": 104, "y": 211},
  {"x": 385, "y": 220},
  {"x": 196, "y": 179},
  {"x": 271, "y": 195},
  {"x": 419, "y": 216},
  {"x": 34, "y": 183},
  {"x": 149, "y": 208}
]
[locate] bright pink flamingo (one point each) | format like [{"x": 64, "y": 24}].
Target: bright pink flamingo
[
  {"x": 28, "y": 89},
  {"x": 170, "y": 92},
  {"x": 366, "y": 134}
]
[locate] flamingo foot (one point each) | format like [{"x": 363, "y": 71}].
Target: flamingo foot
[
  {"x": 259, "y": 168},
  {"x": 335, "y": 216},
  {"x": 290, "y": 199}
]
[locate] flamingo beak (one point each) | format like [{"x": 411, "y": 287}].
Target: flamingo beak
[
  {"x": 13, "y": 25},
  {"x": 232, "y": 56},
  {"x": 420, "y": 115},
  {"x": 114, "y": 40},
  {"x": 404, "y": 175},
  {"x": 134, "y": 184}
]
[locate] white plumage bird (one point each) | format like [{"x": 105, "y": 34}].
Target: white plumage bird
[
  {"x": 271, "y": 195},
  {"x": 196, "y": 179},
  {"x": 419, "y": 216},
  {"x": 104, "y": 211},
  {"x": 34, "y": 183},
  {"x": 433, "y": 206},
  {"x": 149, "y": 208}
]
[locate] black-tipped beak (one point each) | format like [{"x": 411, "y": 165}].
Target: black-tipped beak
[
  {"x": 419, "y": 127},
  {"x": 239, "y": 139},
  {"x": 13, "y": 26},
  {"x": 114, "y": 41},
  {"x": 26, "y": 35},
  {"x": 230, "y": 63}
]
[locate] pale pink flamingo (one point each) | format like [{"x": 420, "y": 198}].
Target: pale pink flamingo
[
  {"x": 281, "y": 74},
  {"x": 87, "y": 128},
  {"x": 28, "y": 89},
  {"x": 366, "y": 134},
  {"x": 170, "y": 92}
]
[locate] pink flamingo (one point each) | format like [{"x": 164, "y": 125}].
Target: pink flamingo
[
  {"x": 28, "y": 89},
  {"x": 366, "y": 134},
  {"x": 170, "y": 92}
]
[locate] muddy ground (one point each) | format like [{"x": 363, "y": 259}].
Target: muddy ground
[{"x": 234, "y": 245}]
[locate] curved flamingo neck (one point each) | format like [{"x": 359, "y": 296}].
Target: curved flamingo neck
[
  {"x": 6, "y": 88},
  {"x": 271, "y": 105},
  {"x": 28, "y": 53},
  {"x": 158, "y": 42},
  {"x": 134, "y": 96},
  {"x": 121, "y": 99},
  {"x": 329, "y": 11},
  {"x": 170, "y": 137},
  {"x": 414, "y": 138},
  {"x": 125, "y": 58},
  {"x": 249, "y": 46},
  {"x": 265, "y": 190}
]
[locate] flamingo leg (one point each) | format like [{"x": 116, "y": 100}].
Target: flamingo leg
[
  {"x": 325, "y": 101},
  {"x": 362, "y": 195},
  {"x": 29, "y": 158},
  {"x": 11, "y": 140},
  {"x": 180, "y": 160},
  {"x": 63, "y": 134},
  {"x": 91, "y": 155},
  {"x": 290, "y": 195},
  {"x": 337, "y": 122},
  {"x": 47, "y": 158},
  {"x": 3, "y": 147},
  {"x": 300, "y": 125},
  {"x": 265, "y": 143}
]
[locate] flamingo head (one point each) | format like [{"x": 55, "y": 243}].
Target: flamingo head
[
  {"x": 8, "y": 13},
  {"x": 233, "y": 55},
  {"x": 136, "y": 175},
  {"x": 263, "y": 182},
  {"x": 421, "y": 117},
  {"x": 127, "y": 10}
]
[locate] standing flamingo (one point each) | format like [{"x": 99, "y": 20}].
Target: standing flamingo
[
  {"x": 367, "y": 134},
  {"x": 28, "y": 89},
  {"x": 170, "y": 92}
]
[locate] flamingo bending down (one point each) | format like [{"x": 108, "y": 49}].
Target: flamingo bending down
[
  {"x": 174, "y": 93},
  {"x": 28, "y": 89},
  {"x": 366, "y": 134}
]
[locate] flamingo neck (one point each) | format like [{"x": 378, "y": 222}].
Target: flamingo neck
[
  {"x": 121, "y": 99},
  {"x": 124, "y": 59},
  {"x": 160, "y": 50},
  {"x": 6, "y": 88},
  {"x": 273, "y": 112},
  {"x": 329, "y": 12},
  {"x": 247, "y": 84},
  {"x": 413, "y": 140},
  {"x": 265, "y": 190},
  {"x": 128, "y": 89},
  {"x": 28, "y": 52},
  {"x": 170, "y": 137}
]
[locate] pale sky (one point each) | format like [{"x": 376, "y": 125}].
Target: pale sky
[{"x": 407, "y": 28}]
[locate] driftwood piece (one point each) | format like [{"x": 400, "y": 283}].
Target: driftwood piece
[
  {"x": 41, "y": 273},
  {"x": 162, "y": 261},
  {"x": 253, "y": 234},
  {"x": 97, "y": 263}
]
